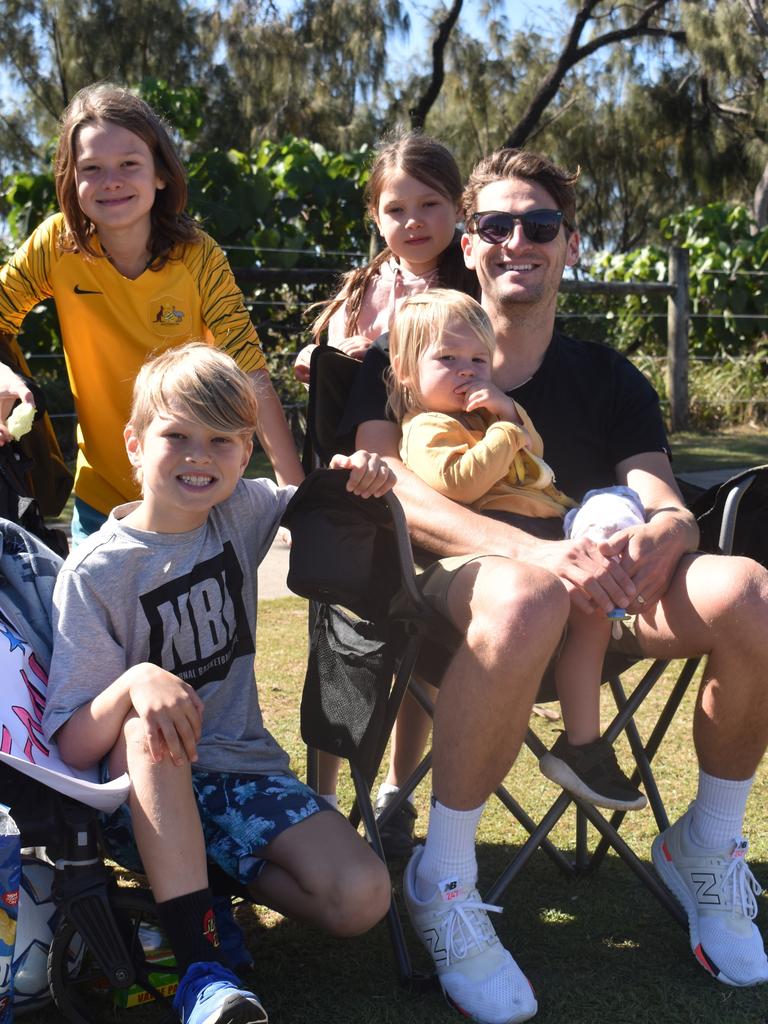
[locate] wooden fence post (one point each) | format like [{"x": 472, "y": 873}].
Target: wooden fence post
[{"x": 678, "y": 323}]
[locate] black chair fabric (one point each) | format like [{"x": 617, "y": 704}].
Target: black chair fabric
[
  {"x": 750, "y": 536},
  {"x": 340, "y": 544}
]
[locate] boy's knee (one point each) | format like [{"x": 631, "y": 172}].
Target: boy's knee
[
  {"x": 358, "y": 898},
  {"x": 137, "y": 754},
  {"x": 135, "y": 736}
]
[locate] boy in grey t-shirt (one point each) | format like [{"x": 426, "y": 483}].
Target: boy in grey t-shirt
[{"x": 152, "y": 672}]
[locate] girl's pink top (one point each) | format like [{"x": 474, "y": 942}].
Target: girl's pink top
[{"x": 382, "y": 295}]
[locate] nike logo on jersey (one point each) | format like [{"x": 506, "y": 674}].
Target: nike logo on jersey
[{"x": 84, "y": 291}]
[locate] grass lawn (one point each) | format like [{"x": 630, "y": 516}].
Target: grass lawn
[
  {"x": 732, "y": 447},
  {"x": 600, "y": 949}
]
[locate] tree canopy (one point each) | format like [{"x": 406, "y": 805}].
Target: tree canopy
[{"x": 660, "y": 102}]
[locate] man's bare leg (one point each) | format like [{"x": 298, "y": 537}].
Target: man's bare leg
[
  {"x": 718, "y": 607},
  {"x": 512, "y": 616}
]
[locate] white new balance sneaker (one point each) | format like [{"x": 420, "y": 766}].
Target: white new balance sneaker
[
  {"x": 477, "y": 975},
  {"x": 718, "y": 892}
]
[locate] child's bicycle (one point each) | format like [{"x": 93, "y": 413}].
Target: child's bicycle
[{"x": 108, "y": 953}]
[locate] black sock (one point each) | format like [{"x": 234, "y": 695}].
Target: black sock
[{"x": 190, "y": 925}]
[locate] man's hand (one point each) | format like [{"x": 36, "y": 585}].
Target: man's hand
[
  {"x": 651, "y": 552},
  {"x": 370, "y": 476},
  {"x": 590, "y": 571},
  {"x": 171, "y": 711},
  {"x": 484, "y": 395}
]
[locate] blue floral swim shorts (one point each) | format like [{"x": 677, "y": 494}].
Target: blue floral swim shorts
[{"x": 240, "y": 815}]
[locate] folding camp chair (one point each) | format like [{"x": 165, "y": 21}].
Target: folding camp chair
[
  {"x": 731, "y": 518},
  {"x": 331, "y": 377},
  {"x": 364, "y": 638}
]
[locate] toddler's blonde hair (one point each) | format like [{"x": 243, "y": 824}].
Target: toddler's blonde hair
[{"x": 419, "y": 323}]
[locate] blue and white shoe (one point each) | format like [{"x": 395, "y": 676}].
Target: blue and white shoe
[{"x": 210, "y": 994}]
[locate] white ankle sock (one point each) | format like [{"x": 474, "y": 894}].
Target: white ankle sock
[
  {"x": 449, "y": 851},
  {"x": 332, "y": 799},
  {"x": 386, "y": 788},
  {"x": 717, "y": 814}
]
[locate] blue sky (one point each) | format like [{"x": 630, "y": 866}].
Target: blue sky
[{"x": 519, "y": 13}]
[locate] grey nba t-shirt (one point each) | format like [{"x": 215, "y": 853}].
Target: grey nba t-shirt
[{"x": 186, "y": 602}]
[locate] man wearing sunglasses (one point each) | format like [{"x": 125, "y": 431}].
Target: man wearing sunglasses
[{"x": 600, "y": 422}]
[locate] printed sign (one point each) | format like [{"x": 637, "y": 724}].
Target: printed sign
[{"x": 22, "y": 745}]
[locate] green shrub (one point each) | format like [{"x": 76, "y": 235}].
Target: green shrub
[
  {"x": 727, "y": 391},
  {"x": 728, "y": 284}
]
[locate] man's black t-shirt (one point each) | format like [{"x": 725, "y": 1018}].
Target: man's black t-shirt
[{"x": 592, "y": 407}]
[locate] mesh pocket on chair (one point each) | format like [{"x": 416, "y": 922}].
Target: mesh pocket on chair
[{"x": 349, "y": 673}]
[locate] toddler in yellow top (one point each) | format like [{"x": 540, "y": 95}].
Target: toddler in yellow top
[{"x": 473, "y": 443}]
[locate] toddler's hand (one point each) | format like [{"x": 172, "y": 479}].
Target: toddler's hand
[
  {"x": 370, "y": 476},
  {"x": 301, "y": 363},
  {"x": 355, "y": 346},
  {"x": 484, "y": 395}
]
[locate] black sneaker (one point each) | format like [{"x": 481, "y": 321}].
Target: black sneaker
[
  {"x": 397, "y": 835},
  {"x": 592, "y": 773}
]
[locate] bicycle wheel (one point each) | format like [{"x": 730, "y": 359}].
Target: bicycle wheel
[{"x": 78, "y": 985}]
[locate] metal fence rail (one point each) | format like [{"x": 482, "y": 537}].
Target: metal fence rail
[{"x": 298, "y": 279}]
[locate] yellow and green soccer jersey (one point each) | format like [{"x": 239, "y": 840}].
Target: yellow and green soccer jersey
[{"x": 110, "y": 324}]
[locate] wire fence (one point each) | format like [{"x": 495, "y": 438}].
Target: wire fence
[{"x": 279, "y": 299}]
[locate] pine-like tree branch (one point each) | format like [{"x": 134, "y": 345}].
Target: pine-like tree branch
[
  {"x": 573, "y": 53},
  {"x": 418, "y": 113},
  {"x": 755, "y": 11}
]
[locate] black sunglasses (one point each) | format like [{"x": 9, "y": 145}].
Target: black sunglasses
[{"x": 497, "y": 226}]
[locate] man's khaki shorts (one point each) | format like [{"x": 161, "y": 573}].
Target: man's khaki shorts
[{"x": 435, "y": 581}]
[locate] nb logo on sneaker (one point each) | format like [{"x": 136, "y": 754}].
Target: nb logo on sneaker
[
  {"x": 449, "y": 890},
  {"x": 706, "y": 888}
]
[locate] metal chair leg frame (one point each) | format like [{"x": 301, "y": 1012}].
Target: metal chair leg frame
[
  {"x": 406, "y": 789},
  {"x": 399, "y": 688},
  {"x": 402, "y": 956},
  {"x": 538, "y": 749},
  {"x": 622, "y": 721},
  {"x": 418, "y": 693},
  {"x": 555, "y": 855},
  {"x": 313, "y": 767},
  {"x": 582, "y": 849},
  {"x": 627, "y": 706},
  {"x": 651, "y": 748},
  {"x": 530, "y": 846},
  {"x": 633, "y": 862}
]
